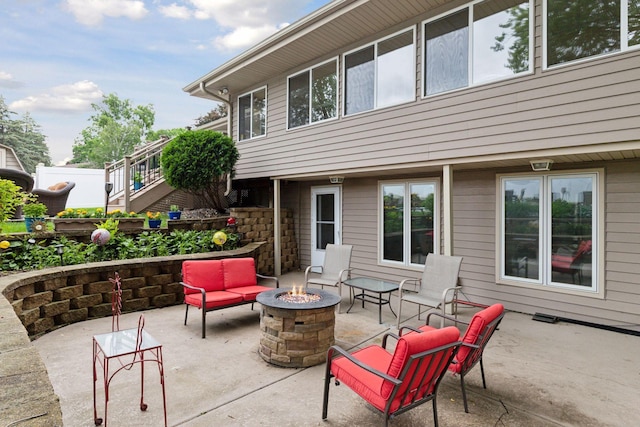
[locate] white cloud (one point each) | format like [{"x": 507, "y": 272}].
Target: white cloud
[
  {"x": 175, "y": 11},
  {"x": 247, "y": 21},
  {"x": 92, "y": 12},
  {"x": 243, "y": 37},
  {"x": 7, "y": 81},
  {"x": 76, "y": 97}
]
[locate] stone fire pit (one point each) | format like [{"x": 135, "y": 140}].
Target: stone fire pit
[{"x": 296, "y": 334}]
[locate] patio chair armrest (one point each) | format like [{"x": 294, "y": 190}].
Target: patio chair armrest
[
  {"x": 186, "y": 285},
  {"x": 348, "y": 356},
  {"x": 387, "y": 335},
  {"x": 308, "y": 270},
  {"x": 413, "y": 282},
  {"x": 341, "y": 273},
  {"x": 411, "y": 328},
  {"x": 444, "y": 316},
  {"x": 453, "y": 290},
  {"x": 262, "y": 276}
]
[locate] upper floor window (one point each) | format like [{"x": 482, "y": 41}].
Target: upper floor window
[
  {"x": 408, "y": 221},
  {"x": 252, "y": 114},
  {"x": 584, "y": 28},
  {"x": 381, "y": 74},
  {"x": 549, "y": 230},
  {"x": 485, "y": 41},
  {"x": 312, "y": 95}
]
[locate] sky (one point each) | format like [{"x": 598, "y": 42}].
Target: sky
[{"x": 57, "y": 57}]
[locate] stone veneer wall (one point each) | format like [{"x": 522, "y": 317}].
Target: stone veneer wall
[
  {"x": 256, "y": 224},
  {"x": 39, "y": 301}
]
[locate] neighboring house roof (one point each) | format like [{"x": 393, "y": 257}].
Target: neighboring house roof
[
  {"x": 14, "y": 161},
  {"x": 219, "y": 125},
  {"x": 339, "y": 24}
]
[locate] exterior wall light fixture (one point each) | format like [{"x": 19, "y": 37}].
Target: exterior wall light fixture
[{"x": 541, "y": 165}]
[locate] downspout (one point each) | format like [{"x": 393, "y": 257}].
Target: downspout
[{"x": 203, "y": 88}]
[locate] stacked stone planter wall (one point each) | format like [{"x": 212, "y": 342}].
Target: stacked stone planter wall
[{"x": 39, "y": 301}]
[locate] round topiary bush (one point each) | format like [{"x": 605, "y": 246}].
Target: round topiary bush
[{"x": 200, "y": 162}]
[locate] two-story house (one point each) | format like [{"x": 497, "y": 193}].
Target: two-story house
[{"x": 503, "y": 131}]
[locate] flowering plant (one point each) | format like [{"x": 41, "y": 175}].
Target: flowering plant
[
  {"x": 117, "y": 213},
  {"x": 80, "y": 213},
  {"x": 153, "y": 215}
]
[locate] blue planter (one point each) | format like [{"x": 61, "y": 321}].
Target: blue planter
[
  {"x": 155, "y": 223},
  {"x": 29, "y": 222},
  {"x": 174, "y": 214},
  {"x": 137, "y": 185}
]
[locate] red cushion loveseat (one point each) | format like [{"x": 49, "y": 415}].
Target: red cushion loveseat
[{"x": 217, "y": 284}]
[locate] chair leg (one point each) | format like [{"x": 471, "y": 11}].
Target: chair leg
[
  {"x": 204, "y": 318},
  {"x": 484, "y": 383},
  {"x": 435, "y": 412},
  {"x": 327, "y": 381},
  {"x": 464, "y": 394},
  {"x": 399, "y": 313},
  {"x": 186, "y": 312}
]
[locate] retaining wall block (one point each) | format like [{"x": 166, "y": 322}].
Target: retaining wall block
[{"x": 37, "y": 300}]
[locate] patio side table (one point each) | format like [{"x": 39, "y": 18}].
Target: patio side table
[{"x": 369, "y": 284}]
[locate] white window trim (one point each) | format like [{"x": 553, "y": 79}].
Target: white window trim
[
  {"x": 375, "y": 56},
  {"x": 266, "y": 111},
  {"x": 624, "y": 43},
  {"x": 470, "y": 64},
  {"x": 406, "y": 226},
  {"x": 598, "y": 260},
  {"x": 310, "y": 70}
]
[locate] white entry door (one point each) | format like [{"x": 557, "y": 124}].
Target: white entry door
[{"x": 326, "y": 209}]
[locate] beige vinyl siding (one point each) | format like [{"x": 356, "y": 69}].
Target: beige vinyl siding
[
  {"x": 474, "y": 239},
  {"x": 595, "y": 102}
]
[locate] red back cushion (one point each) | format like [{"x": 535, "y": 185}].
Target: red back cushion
[
  {"x": 411, "y": 344},
  {"x": 479, "y": 321},
  {"x": 239, "y": 272},
  {"x": 203, "y": 274}
]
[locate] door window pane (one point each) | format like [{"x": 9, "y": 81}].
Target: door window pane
[
  {"x": 581, "y": 28},
  {"x": 325, "y": 220},
  {"x": 244, "y": 117},
  {"x": 521, "y": 241},
  {"x": 500, "y": 39},
  {"x": 393, "y": 222},
  {"x": 571, "y": 230},
  {"x": 422, "y": 209},
  {"x": 447, "y": 53}
]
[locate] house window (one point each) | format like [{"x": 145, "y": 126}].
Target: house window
[
  {"x": 380, "y": 75},
  {"x": 485, "y": 41},
  {"x": 252, "y": 114},
  {"x": 549, "y": 230},
  {"x": 408, "y": 222},
  {"x": 586, "y": 28},
  {"x": 313, "y": 95}
]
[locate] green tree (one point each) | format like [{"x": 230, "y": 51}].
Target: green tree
[
  {"x": 200, "y": 162},
  {"x": 116, "y": 129},
  {"x": 24, "y": 136},
  {"x": 155, "y": 135},
  {"x": 215, "y": 114}
]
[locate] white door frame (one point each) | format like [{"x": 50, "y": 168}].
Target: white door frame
[{"x": 317, "y": 254}]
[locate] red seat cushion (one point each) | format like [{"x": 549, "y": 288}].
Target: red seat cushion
[
  {"x": 479, "y": 321},
  {"x": 205, "y": 274},
  {"x": 239, "y": 272},
  {"x": 213, "y": 299},
  {"x": 374, "y": 389},
  {"x": 249, "y": 293}
]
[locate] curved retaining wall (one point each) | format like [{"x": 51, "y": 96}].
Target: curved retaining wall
[{"x": 37, "y": 302}]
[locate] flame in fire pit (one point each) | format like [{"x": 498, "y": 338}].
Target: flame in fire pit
[{"x": 297, "y": 295}]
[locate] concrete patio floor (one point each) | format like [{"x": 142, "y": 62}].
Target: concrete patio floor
[{"x": 538, "y": 374}]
